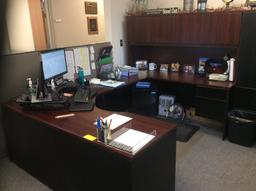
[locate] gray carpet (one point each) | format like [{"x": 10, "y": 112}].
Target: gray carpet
[
  {"x": 204, "y": 163},
  {"x": 12, "y": 178}
]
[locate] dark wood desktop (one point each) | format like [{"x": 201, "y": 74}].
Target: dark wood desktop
[{"x": 55, "y": 152}]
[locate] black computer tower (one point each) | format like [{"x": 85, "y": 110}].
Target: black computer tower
[{"x": 145, "y": 101}]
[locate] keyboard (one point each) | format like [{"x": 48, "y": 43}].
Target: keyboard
[
  {"x": 68, "y": 87},
  {"x": 82, "y": 106},
  {"x": 81, "y": 95}
]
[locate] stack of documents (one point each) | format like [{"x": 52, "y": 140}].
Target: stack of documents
[
  {"x": 111, "y": 83},
  {"x": 117, "y": 120},
  {"x": 128, "y": 71},
  {"x": 131, "y": 141}
]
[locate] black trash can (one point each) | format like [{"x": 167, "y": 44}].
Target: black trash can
[{"x": 242, "y": 127}]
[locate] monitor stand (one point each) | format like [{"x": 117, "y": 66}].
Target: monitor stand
[{"x": 42, "y": 94}]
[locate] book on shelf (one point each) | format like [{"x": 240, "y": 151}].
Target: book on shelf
[{"x": 128, "y": 71}]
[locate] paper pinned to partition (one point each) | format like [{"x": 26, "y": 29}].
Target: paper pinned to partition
[
  {"x": 93, "y": 65},
  {"x": 92, "y": 58},
  {"x": 70, "y": 65},
  {"x": 92, "y": 50},
  {"x": 117, "y": 120},
  {"x": 82, "y": 59}
]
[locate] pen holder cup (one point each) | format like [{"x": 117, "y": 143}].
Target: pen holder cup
[{"x": 103, "y": 135}]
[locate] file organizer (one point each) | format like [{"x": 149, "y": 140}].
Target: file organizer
[{"x": 129, "y": 140}]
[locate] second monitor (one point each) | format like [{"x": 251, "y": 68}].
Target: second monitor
[{"x": 53, "y": 64}]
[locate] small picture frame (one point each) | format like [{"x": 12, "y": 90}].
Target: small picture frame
[
  {"x": 92, "y": 23},
  {"x": 142, "y": 64},
  {"x": 175, "y": 67},
  {"x": 201, "y": 66},
  {"x": 201, "y": 5},
  {"x": 91, "y": 8},
  {"x": 189, "y": 69},
  {"x": 251, "y": 3},
  {"x": 164, "y": 67}
]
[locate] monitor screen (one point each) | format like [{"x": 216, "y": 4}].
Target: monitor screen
[
  {"x": 53, "y": 63},
  {"x": 105, "y": 51}
]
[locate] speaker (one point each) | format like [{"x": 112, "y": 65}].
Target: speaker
[{"x": 165, "y": 101}]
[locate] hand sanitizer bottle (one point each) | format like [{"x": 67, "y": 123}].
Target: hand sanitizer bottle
[{"x": 30, "y": 86}]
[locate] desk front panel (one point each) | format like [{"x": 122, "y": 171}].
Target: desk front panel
[{"x": 55, "y": 152}]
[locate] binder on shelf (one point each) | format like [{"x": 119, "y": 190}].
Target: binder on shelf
[
  {"x": 143, "y": 85},
  {"x": 127, "y": 71}
]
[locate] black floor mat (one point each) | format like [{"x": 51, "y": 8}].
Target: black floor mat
[
  {"x": 185, "y": 128},
  {"x": 185, "y": 131}
]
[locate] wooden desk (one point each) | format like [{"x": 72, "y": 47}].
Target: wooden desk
[
  {"x": 54, "y": 151},
  {"x": 211, "y": 99}
]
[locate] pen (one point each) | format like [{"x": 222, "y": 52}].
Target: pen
[
  {"x": 98, "y": 123},
  {"x": 109, "y": 123}
]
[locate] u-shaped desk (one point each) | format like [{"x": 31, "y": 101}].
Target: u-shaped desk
[{"x": 55, "y": 152}]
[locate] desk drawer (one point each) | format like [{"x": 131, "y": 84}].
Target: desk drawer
[
  {"x": 214, "y": 93},
  {"x": 211, "y": 109}
]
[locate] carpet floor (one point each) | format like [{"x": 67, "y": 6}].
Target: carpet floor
[{"x": 204, "y": 163}]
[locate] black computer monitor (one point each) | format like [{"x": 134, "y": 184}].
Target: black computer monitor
[{"x": 53, "y": 63}]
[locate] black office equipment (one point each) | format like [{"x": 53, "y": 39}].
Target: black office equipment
[
  {"x": 82, "y": 95},
  {"x": 242, "y": 127},
  {"x": 145, "y": 100},
  {"x": 67, "y": 87},
  {"x": 81, "y": 106}
]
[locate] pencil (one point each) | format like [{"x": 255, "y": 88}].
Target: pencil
[{"x": 64, "y": 116}]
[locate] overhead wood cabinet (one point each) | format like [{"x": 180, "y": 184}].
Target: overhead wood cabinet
[
  {"x": 186, "y": 37},
  {"x": 218, "y": 28}
]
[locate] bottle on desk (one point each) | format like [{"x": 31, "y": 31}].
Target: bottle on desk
[{"x": 80, "y": 75}]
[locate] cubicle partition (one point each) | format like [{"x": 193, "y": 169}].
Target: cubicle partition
[{"x": 14, "y": 70}]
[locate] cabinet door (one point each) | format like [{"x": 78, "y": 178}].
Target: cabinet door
[
  {"x": 212, "y": 103},
  {"x": 246, "y": 76},
  {"x": 222, "y": 28},
  {"x": 138, "y": 29},
  {"x": 210, "y": 28}
]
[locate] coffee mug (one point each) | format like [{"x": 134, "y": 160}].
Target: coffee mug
[{"x": 152, "y": 66}]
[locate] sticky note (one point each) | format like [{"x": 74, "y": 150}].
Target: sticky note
[{"x": 90, "y": 137}]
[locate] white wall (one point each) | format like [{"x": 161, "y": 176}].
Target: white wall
[
  {"x": 19, "y": 26},
  {"x": 115, "y": 23},
  {"x": 108, "y": 20},
  {"x": 72, "y": 30}
]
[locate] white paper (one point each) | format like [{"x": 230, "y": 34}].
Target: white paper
[
  {"x": 92, "y": 50},
  {"x": 132, "y": 140},
  {"x": 111, "y": 83},
  {"x": 92, "y": 58},
  {"x": 93, "y": 65},
  {"x": 117, "y": 120},
  {"x": 82, "y": 59},
  {"x": 70, "y": 65}
]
